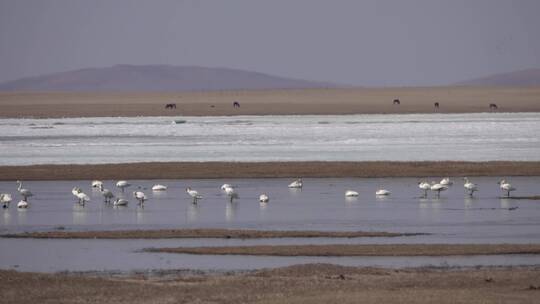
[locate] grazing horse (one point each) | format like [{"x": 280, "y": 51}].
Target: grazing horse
[
  {"x": 493, "y": 106},
  {"x": 436, "y": 105},
  {"x": 170, "y": 106},
  {"x": 396, "y": 102},
  {"x": 236, "y": 104}
]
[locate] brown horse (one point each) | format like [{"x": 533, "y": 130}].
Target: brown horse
[
  {"x": 396, "y": 102},
  {"x": 170, "y": 106},
  {"x": 493, "y": 106}
]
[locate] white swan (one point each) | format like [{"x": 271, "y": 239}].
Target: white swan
[
  {"x": 351, "y": 193},
  {"x": 424, "y": 186},
  {"x": 224, "y": 186},
  {"x": 382, "y": 192},
  {"x": 438, "y": 188},
  {"x": 139, "y": 195},
  {"x": 25, "y": 193},
  {"x": 194, "y": 194},
  {"x": 506, "y": 186},
  {"x": 470, "y": 187},
  {"x": 107, "y": 194},
  {"x": 231, "y": 193},
  {"x": 83, "y": 198},
  {"x": 75, "y": 191},
  {"x": 97, "y": 184},
  {"x": 120, "y": 202},
  {"x": 122, "y": 184},
  {"x": 263, "y": 198},
  {"x": 159, "y": 187},
  {"x": 5, "y": 200},
  {"x": 446, "y": 182},
  {"x": 296, "y": 184},
  {"x": 22, "y": 204}
]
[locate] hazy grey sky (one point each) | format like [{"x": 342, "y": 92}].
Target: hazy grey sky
[{"x": 369, "y": 42}]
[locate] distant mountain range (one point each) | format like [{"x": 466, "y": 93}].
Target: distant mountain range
[
  {"x": 530, "y": 77},
  {"x": 156, "y": 78},
  {"x": 166, "y": 78}
]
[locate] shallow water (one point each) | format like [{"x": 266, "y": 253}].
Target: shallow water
[
  {"x": 410, "y": 137},
  {"x": 320, "y": 205},
  {"x": 125, "y": 255}
]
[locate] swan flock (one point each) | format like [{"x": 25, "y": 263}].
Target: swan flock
[{"x": 232, "y": 193}]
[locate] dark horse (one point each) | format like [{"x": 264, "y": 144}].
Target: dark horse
[
  {"x": 396, "y": 102},
  {"x": 170, "y": 106},
  {"x": 236, "y": 104},
  {"x": 493, "y": 106},
  {"x": 436, "y": 105}
]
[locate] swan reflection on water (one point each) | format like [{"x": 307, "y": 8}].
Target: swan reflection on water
[
  {"x": 22, "y": 216},
  {"x": 230, "y": 211},
  {"x": 424, "y": 204},
  {"x": 263, "y": 210},
  {"x": 382, "y": 198},
  {"x": 192, "y": 212},
  {"x": 140, "y": 215},
  {"x": 7, "y": 217},
  {"x": 437, "y": 203},
  {"x": 159, "y": 194},
  {"x": 468, "y": 201},
  {"x": 505, "y": 203},
  {"x": 295, "y": 191},
  {"x": 79, "y": 214},
  {"x": 350, "y": 199},
  {"x": 424, "y": 207}
]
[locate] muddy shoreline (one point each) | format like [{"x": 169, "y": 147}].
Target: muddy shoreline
[
  {"x": 203, "y": 170},
  {"x": 311, "y": 283},
  {"x": 337, "y": 250}
]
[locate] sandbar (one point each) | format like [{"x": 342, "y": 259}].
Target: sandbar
[{"x": 338, "y": 250}]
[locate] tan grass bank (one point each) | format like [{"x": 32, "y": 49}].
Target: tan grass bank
[
  {"x": 272, "y": 102},
  {"x": 184, "y": 170}
]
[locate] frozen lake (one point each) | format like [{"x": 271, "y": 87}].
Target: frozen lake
[
  {"x": 410, "y": 137},
  {"x": 320, "y": 205}
]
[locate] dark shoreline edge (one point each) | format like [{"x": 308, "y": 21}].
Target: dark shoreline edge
[
  {"x": 348, "y": 250},
  {"x": 315, "y": 169},
  {"x": 203, "y": 233}
]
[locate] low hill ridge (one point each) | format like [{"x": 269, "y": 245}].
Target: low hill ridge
[
  {"x": 529, "y": 77},
  {"x": 156, "y": 78}
]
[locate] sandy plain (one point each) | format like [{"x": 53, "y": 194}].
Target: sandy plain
[{"x": 271, "y": 102}]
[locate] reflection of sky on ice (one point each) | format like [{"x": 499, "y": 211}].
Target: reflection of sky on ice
[{"x": 472, "y": 137}]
